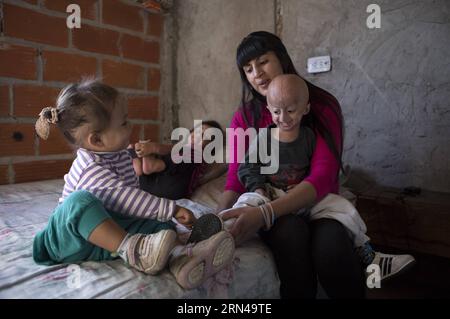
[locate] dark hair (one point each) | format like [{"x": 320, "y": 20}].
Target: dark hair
[
  {"x": 261, "y": 42},
  {"x": 88, "y": 101},
  {"x": 211, "y": 123}
]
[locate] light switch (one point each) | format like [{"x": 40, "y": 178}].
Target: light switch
[{"x": 319, "y": 64}]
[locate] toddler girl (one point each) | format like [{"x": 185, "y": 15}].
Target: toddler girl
[{"x": 102, "y": 213}]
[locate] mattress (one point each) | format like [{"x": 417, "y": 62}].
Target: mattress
[{"x": 24, "y": 210}]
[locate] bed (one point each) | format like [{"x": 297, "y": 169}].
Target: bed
[{"x": 24, "y": 210}]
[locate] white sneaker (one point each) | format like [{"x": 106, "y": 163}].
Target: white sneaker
[
  {"x": 196, "y": 263},
  {"x": 150, "y": 253},
  {"x": 392, "y": 265}
]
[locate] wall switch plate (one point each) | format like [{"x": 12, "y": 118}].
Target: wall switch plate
[{"x": 319, "y": 64}]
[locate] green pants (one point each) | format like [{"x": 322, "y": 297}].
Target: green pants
[{"x": 64, "y": 240}]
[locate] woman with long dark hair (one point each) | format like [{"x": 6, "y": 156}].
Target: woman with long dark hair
[{"x": 302, "y": 250}]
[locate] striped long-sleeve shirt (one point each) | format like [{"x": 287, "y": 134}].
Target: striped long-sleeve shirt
[{"x": 111, "y": 178}]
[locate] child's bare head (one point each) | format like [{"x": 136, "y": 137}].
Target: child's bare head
[
  {"x": 82, "y": 109},
  {"x": 288, "y": 89},
  {"x": 287, "y": 100}
]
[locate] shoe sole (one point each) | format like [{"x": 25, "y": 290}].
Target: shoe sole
[
  {"x": 161, "y": 260},
  {"x": 200, "y": 267},
  {"x": 205, "y": 227}
]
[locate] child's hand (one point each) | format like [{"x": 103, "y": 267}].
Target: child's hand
[
  {"x": 185, "y": 216},
  {"x": 144, "y": 148}
]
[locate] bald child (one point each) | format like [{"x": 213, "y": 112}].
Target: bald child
[{"x": 288, "y": 102}]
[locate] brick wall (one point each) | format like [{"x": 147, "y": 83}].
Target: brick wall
[{"x": 119, "y": 41}]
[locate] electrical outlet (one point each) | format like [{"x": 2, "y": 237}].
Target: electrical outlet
[{"x": 319, "y": 64}]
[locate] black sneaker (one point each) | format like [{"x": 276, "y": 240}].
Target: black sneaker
[{"x": 204, "y": 227}]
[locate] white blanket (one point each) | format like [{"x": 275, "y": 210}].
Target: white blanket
[{"x": 24, "y": 210}]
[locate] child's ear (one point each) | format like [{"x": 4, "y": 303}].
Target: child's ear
[
  {"x": 308, "y": 107},
  {"x": 94, "y": 139}
]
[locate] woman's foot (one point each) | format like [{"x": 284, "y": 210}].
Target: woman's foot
[
  {"x": 192, "y": 265},
  {"x": 151, "y": 164}
]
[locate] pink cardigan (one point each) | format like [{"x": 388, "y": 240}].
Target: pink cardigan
[{"x": 324, "y": 166}]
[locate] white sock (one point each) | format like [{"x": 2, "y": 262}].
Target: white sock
[{"x": 123, "y": 248}]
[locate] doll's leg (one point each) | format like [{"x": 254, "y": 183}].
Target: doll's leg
[
  {"x": 151, "y": 164},
  {"x": 137, "y": 162}
]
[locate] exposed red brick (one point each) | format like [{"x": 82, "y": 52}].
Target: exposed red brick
[
  {"x": 154, "y": 79},
  {"x": 4, "y": 100},
  {"x": 59, "y": 66},
  {"x": 155, "y": 24},
  {"x": 17, "y": 61},
  {"x": 88, "y": 8},
  {"x": 95, "y": 39},
  {"x": 135, "y": 133},
  {"x": 122, "y": 74},
  {"x": 123, "y": 15},
  {"x": 34, "y": 26},
  {"x": 139, "y": 49},
  {"x": 40, "y": 170},
  {"x": 16, "y": 139},
  {"x": 143, "y": 107},
  {"x": 4, "y": 176},
  {"x": 29, "y": 100},
  {"x": 151, "y": 131},
  {"x": 55, "y": 144}
]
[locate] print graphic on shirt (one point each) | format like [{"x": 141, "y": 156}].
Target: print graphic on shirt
[{"x": 288, "y": 174}]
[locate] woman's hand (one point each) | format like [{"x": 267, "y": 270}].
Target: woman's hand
[
  {"x": 248, "y": 221},
  {"x": 290, "y": 187},
  {"x": 185, "y": 216}
]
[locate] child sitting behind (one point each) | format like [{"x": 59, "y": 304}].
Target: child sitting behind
[
  {"x": 102, "y": 213},
  {"x": 288, "y": 102},
  {"x": 160, "y": 176}
]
